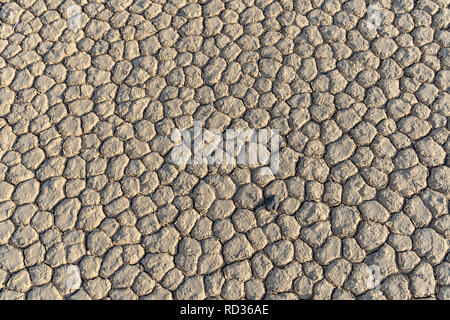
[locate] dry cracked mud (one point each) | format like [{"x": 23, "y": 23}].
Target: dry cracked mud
[{"x": 359, "y": 208}]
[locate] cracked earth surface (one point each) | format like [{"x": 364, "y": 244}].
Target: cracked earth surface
[{"x": 86, "y": 179}]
